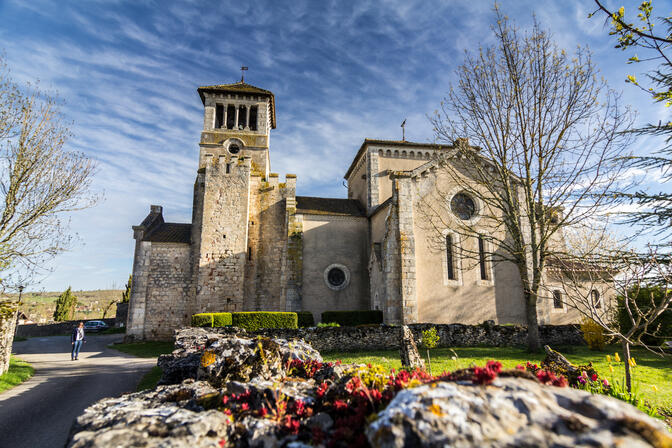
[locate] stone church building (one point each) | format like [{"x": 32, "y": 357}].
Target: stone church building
[{"x": 253, "y": 244}]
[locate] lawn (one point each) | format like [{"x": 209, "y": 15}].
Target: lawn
[
  {"x": 651, "y": 370},
  {"x": 19, "y": 371},
  {"x": 150, "y": 349},
  {"x": 147, "y": 350}
]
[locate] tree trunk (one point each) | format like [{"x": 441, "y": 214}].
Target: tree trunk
[
  {"x": 626, "y": 360},
  {"x": 533, "y": 342}
]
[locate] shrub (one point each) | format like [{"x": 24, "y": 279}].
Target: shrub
[
  {"x": 202, "y": 320},
  {"x": 663, "y": 324},
  {"x": 305, "y": 319},
  {"x": 353, "y": 318},
  {"x": 593, "y": 334},
  {"x": 256, "y": 320},
  {"x": 211, "y": 320},
  {"x": 222, "y": 319},
  {"x": 330, "y": 324}
]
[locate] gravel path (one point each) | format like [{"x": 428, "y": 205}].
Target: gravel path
[{"x": 39, "y": 412}]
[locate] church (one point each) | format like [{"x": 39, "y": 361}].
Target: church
[{"x": 254, "y": 245}]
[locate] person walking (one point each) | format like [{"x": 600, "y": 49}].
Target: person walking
[{"x": 77, "y": 338}]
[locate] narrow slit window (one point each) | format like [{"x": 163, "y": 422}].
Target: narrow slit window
[
  {"x": 249, "y": 254},
  {"x": 481, "y": 258},
  {"x": 219, "y": 116},
  {"x": 450, "y": 258},
  {"x": 228, "y": 168},
  {"x": 253, "y": 118},
  {"x": 230, "y": 116},
  {"x": 595, "y": 296},
  {"x": 557, "y": 299}
]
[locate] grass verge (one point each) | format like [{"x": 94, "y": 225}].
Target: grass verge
[
  {"x": 150, "y": 349},
  {"x": 150, "y": 379},
  {"x": 19, "y": 371},
  {"x": 651, "y": 370}
]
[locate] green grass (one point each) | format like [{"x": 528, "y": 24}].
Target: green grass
[
  {"x": 150, "y": 349},
  {"x": 651, "y": 370},
  {"x": 19, "y": 371},
  {"x": 150, "y": 379}
]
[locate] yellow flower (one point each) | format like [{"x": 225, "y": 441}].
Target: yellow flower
[
  {"x": 611, "y": 369},
  {"x": 654, "y": 388},
  {"x": 632, "y": 362},
  {"x": 608, "y": 358},
  {"x": 616, "y": 357}
]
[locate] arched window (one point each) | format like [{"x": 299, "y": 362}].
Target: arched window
[
  {"x": 557, "y": 299},
  {"x": 253, "y": 118},
  {"x": 230, "y": 116},
  {"x": 242, "y": 117},
  {"x": 595, "y": 297}
]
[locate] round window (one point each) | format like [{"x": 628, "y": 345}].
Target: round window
[
  {"x": 234, "y": 149},
  {"x": 336, "y": 277},
  {"x": 463, "y": 206}
]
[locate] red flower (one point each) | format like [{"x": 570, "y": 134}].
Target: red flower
[
  {"x": 222, "y": 443},
  {"x": 245, "y": 407},
  {"x": 339, "y": 405},
  {"x": 322, "y": 390},
  {"x": 263, "y": 412},
  {"x": 291, "y": 425},
  {"x": 495, "y": 366},
  {"x": 484, "y": 375},
  {"x": 594, "y": 377}
]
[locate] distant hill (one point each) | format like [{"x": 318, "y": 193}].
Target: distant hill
[{"x": 39, "y": 306}]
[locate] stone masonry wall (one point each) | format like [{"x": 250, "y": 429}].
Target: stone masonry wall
[
  {"x": 385, "y": 337},
  {"x": 223, "y": 236},
  {"x": 7, "y": 325},
  {"x": 409, "y": 302},
  {"x": 169, "y": 282}
]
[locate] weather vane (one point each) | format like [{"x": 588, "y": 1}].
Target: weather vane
[
  {"x": 403, "y": 131},
  {"x": 243, "y": 69}
]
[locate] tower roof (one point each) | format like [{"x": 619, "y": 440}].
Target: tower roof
[{"x": 240, "y": 88}]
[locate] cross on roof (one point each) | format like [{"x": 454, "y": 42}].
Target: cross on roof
[{"x": 243, "y": 69}]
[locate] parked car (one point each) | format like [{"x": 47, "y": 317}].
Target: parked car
[{"x": 95, "y": 325}]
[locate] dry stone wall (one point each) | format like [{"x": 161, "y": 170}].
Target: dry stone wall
[
  {"x": 53, "y": 328},
  {"x": 382, "y": 337},
  {"x": 7, "y": 325}
]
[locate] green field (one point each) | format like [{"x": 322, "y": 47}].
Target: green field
[
  {"x": 651, "y": 370},
  {"x": 19, "y": 371},
  {"x": 39, "y": 306}
]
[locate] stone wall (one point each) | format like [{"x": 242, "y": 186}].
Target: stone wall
[
  {"x": 7, "y": 325},
  {"x": 52, "y": 328},
  {"x": 121, "y": 315},
  {"x": 168, "y": 290},
  {"x": 450, "y": 335}
]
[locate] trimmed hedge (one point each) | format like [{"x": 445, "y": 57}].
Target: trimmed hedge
[
  {"x": 211, "y": 320},
  {"x": 305, "y": 319},
  {"x": 353, "y": 318},
  {"x": 255, "y": 320}
]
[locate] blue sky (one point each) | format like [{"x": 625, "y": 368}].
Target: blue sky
[{"x": 341, "y": 72}]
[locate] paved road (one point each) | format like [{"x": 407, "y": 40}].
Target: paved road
[{"x": 39, "y": 412}]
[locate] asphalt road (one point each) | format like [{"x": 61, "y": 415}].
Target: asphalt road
[{"x": 39, "y": 412}]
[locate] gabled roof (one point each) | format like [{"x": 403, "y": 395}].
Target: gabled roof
[
  {"x": 368, "y": 141},
  {"x": 170, "y": 232},
  {"x": 308, "y": 205},
  {"x": 241, "y": 88}
]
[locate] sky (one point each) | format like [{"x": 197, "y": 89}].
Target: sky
[{"x": 341, "y": 71}]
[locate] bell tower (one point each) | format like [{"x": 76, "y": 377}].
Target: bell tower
[{"x": 237, "y": 122}]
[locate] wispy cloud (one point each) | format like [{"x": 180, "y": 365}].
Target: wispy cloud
[{"x": 341, "y": 71}]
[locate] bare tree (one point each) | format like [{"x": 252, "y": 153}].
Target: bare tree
[
  {"x": 642, "y": 281},
  {"x": 546, "y": 134},
  {"x": 40, "y": 180}
]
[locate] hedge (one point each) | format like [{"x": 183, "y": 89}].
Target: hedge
[
  {"x": 211, "y": 320},
  {"x": 305, "y": 319},
  {"x": 663, "y": 323},
  {"x": 255, "y": 320},
  {"x": 353, "y": 318}
]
